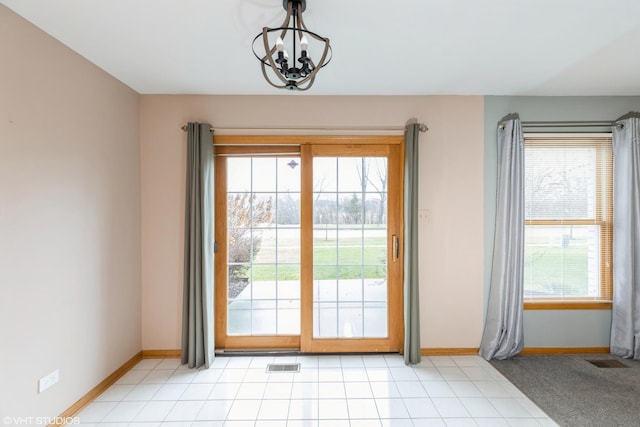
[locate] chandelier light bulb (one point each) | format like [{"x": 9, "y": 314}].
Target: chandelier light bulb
[
  {"x": 304, "y": 42},
  {"x": 280, "y": 44}
]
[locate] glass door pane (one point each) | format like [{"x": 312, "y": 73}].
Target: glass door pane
[
  {"x": 350, "y": 285},
  {"x": 263, "y": 246}
]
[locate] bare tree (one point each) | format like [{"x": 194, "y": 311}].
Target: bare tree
[
  {"x": 245, "y": 211},
  {"x": 288, "y": 210},
  {"x": 379, "y": 184}
]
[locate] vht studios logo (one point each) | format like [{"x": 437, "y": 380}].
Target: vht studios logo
[{"x": 26, "y": 421}]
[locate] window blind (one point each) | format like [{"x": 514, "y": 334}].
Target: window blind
[{"x": 568, "y": 217}]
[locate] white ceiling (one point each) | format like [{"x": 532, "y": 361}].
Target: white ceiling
[{"x": 402, "y": 47}]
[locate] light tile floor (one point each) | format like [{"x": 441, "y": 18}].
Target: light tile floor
[{"x": 335, "y": 391}]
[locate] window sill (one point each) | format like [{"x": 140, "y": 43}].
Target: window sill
[{"x": 567, "y": 305}]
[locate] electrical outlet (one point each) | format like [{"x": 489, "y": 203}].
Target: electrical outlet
[
  {"x": 424, "y": 215},
  {"x": 48, "y": 380}
]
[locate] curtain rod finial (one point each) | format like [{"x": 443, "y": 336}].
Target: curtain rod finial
[{"x": 423, "y": 127}]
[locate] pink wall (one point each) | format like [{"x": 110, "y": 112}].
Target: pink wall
[
  {"x": 69, "y": 221},
  {"x": 451, "y": 189}
]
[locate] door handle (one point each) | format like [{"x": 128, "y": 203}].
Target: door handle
[{"x": 395, "y": 248}]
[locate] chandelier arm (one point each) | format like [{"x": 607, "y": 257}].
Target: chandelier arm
[
  {"x": 284, "y": 26},
  {"x": 300, "y": 29},
  {"x": 294, "y": 37},
  {"x": 301, "y": 21},
  {"x": 308, "y": 86},
  {"x": 269, "y": 55},
  {"x": 270, "y": 51},
  {"x": 266, "y": 77},
  {"x": 317, "y": 37},
  {"x": 284, "y": 31},
  {"x": 313, "y": 73},
  {"x": 327, "y": 48},
  {"x": 273, "y": 49},
  {"x": 287, "y": 18}
]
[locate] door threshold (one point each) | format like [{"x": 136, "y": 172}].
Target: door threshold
[
  {"x": 292, "y": 352},
  {"x": 257, "y": 352}
]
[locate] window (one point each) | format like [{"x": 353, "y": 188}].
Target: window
[{"x": 568, "y": 219}]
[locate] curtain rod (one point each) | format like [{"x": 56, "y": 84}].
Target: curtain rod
[
  {"x": 562, "y": 124},
  {"x": 568, "y": 124},
  {"x": 423, "y": 128}
]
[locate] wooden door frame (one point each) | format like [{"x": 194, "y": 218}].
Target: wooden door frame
[
  {"x": 222, "y": 340},
  {"x": 309, "y": 147},
  {"x": 395, "y": 226}
]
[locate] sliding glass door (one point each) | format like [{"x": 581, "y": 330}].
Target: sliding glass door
[{"x": 308, "y": 248}]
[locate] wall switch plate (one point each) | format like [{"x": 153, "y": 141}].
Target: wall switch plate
[{"x": 48, "y": 380}]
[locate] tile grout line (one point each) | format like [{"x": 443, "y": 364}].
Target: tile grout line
[{"x": 524, "y": 404}]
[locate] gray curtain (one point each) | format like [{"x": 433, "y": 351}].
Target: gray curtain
[
  {"x": 503, "y": 334},
  {"x": 197, "y": 309},
  {"x": 411, "y": 258},
  {"x": 625, "y": 315}
]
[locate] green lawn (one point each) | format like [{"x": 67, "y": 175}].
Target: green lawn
[
  {"x": 345, "y": 259},
  {"x": 550, "y": 268}
]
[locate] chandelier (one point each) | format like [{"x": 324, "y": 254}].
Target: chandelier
[{"x": 298, "y": 71}]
